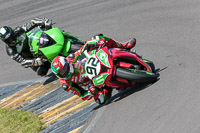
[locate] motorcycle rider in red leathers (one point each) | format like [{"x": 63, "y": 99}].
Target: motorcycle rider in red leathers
[{"x": 69, "y": 70}]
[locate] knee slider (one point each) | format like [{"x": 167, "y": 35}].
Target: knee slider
[{"x": 65, "y": 87}]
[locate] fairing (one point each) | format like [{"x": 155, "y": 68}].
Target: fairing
[
  {"x": 103, "y": 60},
  {"x": 56, "y": 42}
]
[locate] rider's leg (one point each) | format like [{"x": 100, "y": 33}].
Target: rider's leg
[{"x": 127, "y": 45}]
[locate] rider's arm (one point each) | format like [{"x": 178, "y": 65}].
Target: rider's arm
[
  {"x": 95, "y": 43},
  {"x": 89, "y": 45},
  {"x": 33, "y": 23},
  {"x": 74, "y": 88},
  {"x": 12, "y": 52}
]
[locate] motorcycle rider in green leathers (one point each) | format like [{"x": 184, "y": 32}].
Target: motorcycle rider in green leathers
[{"x": 25, "y": 53}]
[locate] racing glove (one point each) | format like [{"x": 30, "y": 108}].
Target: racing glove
[
  {"x": 27, "y": 63},
  {"x": 100, "y": 42},
  {"x": 42, "y": 21},
  {"x": 31, "y": 62}
]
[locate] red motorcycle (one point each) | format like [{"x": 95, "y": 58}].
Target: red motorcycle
[{"x": 117, "y": 68}]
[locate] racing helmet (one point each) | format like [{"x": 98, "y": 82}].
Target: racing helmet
[
  {"x": 61, "y": 67},
  {"x": 7, "y": 35}
]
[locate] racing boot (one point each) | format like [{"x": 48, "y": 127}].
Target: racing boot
[
  {"x": 128, "y": 45},
  {"x": 107, "y": 93},
  {"x": 98, "y": 95},
  {"x": 103, "y": 96},
  {"x": 99, "y": 98}
]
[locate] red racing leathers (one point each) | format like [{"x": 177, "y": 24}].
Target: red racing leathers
[{"x": 80, "y": 85}]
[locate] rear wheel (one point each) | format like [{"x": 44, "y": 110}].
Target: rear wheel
[{"x": 136, "y": 75}]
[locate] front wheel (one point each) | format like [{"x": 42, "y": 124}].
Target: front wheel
[
  {"x": 136, "y": 75},
  {"x": 150, "y": 63}
]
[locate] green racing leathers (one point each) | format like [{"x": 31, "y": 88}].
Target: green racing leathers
[{"x": 38, "y": 43}]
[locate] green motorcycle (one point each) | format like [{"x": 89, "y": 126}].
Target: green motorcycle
[{"x": 47, "y": 44}]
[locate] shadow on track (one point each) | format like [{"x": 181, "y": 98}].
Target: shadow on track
[
  {"x": 52, "y": 77},
  {"x": 124, "y": 93},
  {"x": 127, "y": 92}
]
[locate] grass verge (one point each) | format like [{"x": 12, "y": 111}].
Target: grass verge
[{"x": 17, "y": 121}]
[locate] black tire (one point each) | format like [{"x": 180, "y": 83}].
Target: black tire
[
  {"x": 150, "y": 63},
  {"x": 136, "y": 76}
]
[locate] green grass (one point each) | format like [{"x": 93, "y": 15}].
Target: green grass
[{"x": 17, "y": 121}]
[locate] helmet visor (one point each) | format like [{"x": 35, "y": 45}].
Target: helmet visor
[
  {"x": 8, "y": 35},
  {"x": 64, "y": 72}
]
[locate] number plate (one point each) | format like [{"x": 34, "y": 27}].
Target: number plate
[{"x": 92, "y": 66}]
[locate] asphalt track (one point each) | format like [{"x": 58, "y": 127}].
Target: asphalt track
[{"x": 167, "y": 32}]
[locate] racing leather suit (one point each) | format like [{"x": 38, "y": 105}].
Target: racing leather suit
[
  {"x": 25, "y": 57},
  {"x": 76, "y": 83}
]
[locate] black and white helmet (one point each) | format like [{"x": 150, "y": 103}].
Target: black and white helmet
[{"x": 7, "y": 35}]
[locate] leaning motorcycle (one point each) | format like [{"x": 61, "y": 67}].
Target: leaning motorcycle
[
  {"x": 117, "y": 68},
  {"x": 47, "y": 44}
]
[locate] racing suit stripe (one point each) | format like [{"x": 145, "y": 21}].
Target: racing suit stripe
[{"x": 76, "y": 89}]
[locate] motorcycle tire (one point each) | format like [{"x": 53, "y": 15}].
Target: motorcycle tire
[
  {"x": 150, "y": 63},
  {"x": 139, "y": 76}
]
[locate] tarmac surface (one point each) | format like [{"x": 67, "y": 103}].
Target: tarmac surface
[{"x": 167, "y": 32}]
